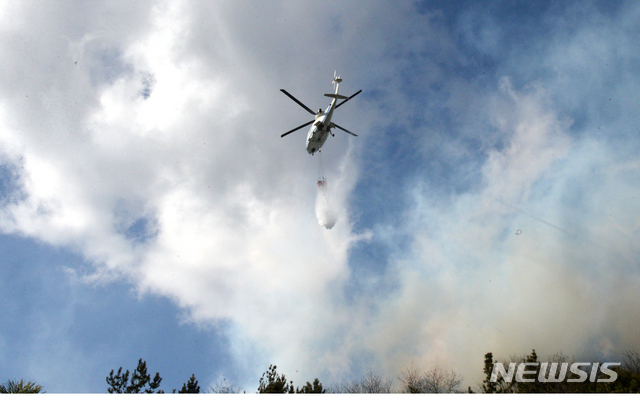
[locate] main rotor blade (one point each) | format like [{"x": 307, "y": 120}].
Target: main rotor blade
[
  {"x": 297, "y": 128},
  {"x": 345, "y": 130},
  {"x": 347, "y": 99},
  {"x": 297, "y": 101}
]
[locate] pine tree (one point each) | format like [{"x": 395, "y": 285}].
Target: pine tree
[
  {"x": 271, "y": 382},
  {"x": 191, "y": 386},
  {"x": 535, "y": 386},
  {"x": 140, "y": 381},
  {"x": 315, "y": 388},
  {"x": 487, "y": 385}
]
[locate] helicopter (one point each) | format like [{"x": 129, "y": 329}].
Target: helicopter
[{"x": 321, "y": 125}]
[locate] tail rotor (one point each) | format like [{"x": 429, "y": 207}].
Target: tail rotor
[{"x": 336, "y": 81}]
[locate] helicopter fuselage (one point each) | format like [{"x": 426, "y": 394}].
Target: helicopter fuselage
[{"x": 319, "y": 131}]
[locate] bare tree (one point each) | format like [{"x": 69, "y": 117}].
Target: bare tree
[
  {"x": 223, "y": 386},
  {"x": 411, "y": 380},
  {"x": 371, "y": 383},
  {"x": 435, "y": 381},
  {"x": 631, "y": 361}
]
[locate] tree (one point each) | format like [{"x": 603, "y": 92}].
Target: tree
[
  {"x": 223, "y": 387},
  {"x": 271, "y": 382},
  {"x": 140, "y": 381},
  {"x": 631, "y": 362},
  {"x": 434, "y": 381},
  {"x": 628, "y": 380},
  {"x": 191, "y": 386},
  {"x": 370, "y": 384},
  {"x": 535, "y": 386},
  {"x": 488, "y": 386},
  {"x": 315, "y": 388},
  {"x": 410, "y": 380},
  {"x": 543, "y": 376},
  {"x": 20, "y": 387}
]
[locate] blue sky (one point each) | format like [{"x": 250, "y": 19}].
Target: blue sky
[{"x": 151, "y": 210}]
